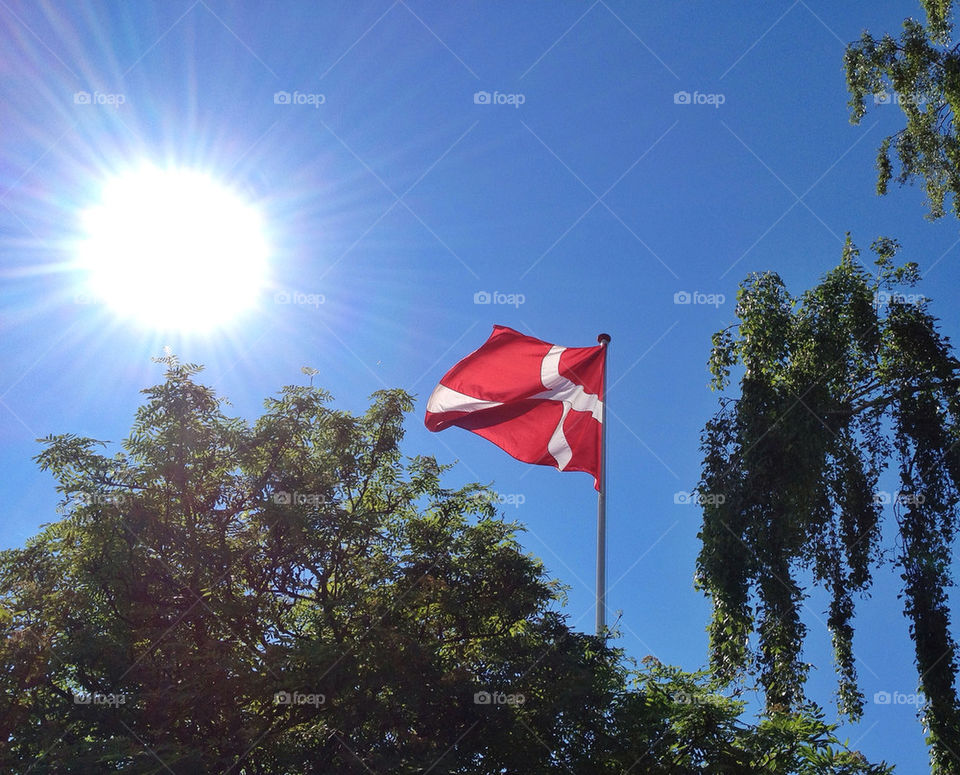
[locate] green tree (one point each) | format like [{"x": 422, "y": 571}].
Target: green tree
[
  {"x": 294, "y": 595},
  {"x": 685, "y": 723},
  {"x": 921, "y": 69},
  {"x": 836, "y": 384}
]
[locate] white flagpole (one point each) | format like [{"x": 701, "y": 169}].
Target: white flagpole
[{"x": 604, "y": 340}]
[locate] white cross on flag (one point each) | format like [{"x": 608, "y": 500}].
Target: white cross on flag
[{"x": 539, "y": 402}]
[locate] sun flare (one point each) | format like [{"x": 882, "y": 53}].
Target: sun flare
[{"x": 172, "y": 248}]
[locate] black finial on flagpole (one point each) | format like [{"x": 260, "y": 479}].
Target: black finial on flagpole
[{"x": 603, "y": 338}]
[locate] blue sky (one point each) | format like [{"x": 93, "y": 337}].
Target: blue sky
[{"x": 394, "y": 194}]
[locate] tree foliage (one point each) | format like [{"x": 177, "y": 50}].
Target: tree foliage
[
  {"x": 293, "y": 595},
  {"x": 922, "y": 70},
  {"x": 836, "y": 384}
]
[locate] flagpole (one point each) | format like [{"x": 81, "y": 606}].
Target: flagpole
[{"x": 604, "y": 340}]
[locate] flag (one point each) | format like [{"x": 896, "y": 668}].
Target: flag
[{"x": 539, "y": 402}]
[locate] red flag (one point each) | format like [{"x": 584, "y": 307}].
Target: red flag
[{"x": 539, "y": 402}]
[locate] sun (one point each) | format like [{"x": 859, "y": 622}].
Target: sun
[{"x": 173, "y": 249}]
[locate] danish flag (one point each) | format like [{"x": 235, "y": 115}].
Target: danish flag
[{"x": 539, "y": 402}]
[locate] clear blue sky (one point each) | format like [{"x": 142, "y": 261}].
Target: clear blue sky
[{"x": 598, "y": 198}]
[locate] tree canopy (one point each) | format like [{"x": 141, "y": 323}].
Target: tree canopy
[
  {"x": 920, "y": 70},
  {"x": 835, "y": 385},
  {"x": 294, "y": 595}
]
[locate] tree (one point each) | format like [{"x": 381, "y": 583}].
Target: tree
[
  {"x": 922, "y": 69},
  {"x": 836, "y": 384},
  {"x": 677, "y": 722},
  {"x": 294, "y": 595}
]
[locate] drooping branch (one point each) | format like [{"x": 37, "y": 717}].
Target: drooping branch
[{"x": 835, "y": 386}]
